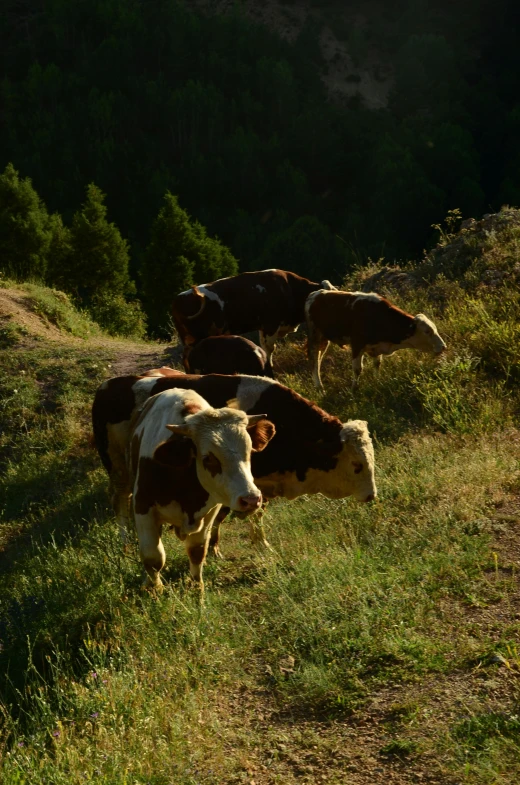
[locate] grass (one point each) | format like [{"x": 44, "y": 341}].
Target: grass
[{"x": 102, "y": 683}]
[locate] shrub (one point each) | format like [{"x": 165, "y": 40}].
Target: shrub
[{"x": 117, "y": 316}]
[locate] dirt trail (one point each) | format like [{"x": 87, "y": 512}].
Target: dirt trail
[{"x": 17, "y": 311}]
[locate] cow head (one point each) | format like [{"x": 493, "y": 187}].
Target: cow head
[
  {"x": 353, "y": 474},
  {"x": 222, "y": 441},
  {"x": 426, "y": 337}
]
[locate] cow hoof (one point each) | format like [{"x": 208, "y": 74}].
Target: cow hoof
[{"x": 153, "y": 586}]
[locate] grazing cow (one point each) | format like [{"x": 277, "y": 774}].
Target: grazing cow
[
  {"x": 369, "y": 323},
  {"x": 271, "y": 301},
  {"x": 311, "y": 452},
  {"x": 226, "y": 354},
  {"x": 185, "y": 460}
]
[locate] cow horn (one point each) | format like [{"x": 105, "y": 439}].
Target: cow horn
[
  {"x": 233, "y": 403},
  {"x": 254, "y": 418},
  {"x": 203, "y": 298}
]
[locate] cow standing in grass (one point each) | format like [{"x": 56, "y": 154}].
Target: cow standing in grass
[
  {"x": 270, "y": 301},
  {"x": 311, "y": 452},
  {"x": 185, "y": 460},
  {"x": 369, "y": 323}
]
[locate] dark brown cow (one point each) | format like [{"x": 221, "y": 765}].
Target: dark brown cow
[
  {"x": 369, "y": 323},
  {"x": 270, "y": 301},
  {"x": 311, "y": 452},
  {"x": 226, "y": 354}
]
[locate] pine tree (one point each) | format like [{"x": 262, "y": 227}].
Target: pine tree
[
  {"x": 180, "y": 254},
  {"x": 98, "y": 261},
  {"x": 25, "y": 231}
]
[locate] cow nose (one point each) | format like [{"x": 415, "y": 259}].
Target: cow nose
[
  {"x": 370, "y": 497},
  {"x": 250, "y": 502}
]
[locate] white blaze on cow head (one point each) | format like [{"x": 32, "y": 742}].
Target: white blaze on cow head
[
  {"x": 224, "y": 439},
  {"x": 426, "y": 337},
  {"x": 354, "y": 472}
]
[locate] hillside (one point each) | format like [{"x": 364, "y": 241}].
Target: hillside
[{"x": 376, "y": 643}]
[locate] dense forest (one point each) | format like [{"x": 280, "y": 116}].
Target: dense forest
[{"x": 149, "y": 98}]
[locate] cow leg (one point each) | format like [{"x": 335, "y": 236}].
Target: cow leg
[
  {"x": 120, "y": 497},
  {"x": 149, "y": 530},
  {"x": 197, "y": 546},
  {"x": 317, "y": 346},
  {"x": 214, "y": 540},
  {"x": 377, "y": 362},
  {"x": 357, "y": 367},
  {"x": 268, "y": 344}
]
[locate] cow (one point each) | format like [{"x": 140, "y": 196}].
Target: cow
[
  {"x": 311, "y": 452},
  {"x": 226, "y": 354},
  {"x": 270, "y": 301},
  {"x": 185, "y": 460},
  {"x": 369, "y": 323}
]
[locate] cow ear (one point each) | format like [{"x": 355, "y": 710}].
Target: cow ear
[
  {"x": 261, "y": 433},
  {"x": 177, "y": 452}
]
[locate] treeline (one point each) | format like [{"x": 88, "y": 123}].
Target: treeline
[
  {"x": 89, "y": 259},
  {"x": 148, "y": 97}
]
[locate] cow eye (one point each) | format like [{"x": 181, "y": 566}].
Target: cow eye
[
  {"x": 212, "y": 464},
  {"x": 358, "y": 467}
]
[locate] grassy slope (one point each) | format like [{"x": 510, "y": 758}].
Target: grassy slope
[{"x": 367, "y": 647}]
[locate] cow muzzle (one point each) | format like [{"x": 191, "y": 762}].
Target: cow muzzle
[{"x": 249, "y": 503}]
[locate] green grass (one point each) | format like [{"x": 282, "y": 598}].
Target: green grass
[{"x": 100, "y": 682}]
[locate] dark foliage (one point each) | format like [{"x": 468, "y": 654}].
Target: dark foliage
[{"x": 144, "y": 98}]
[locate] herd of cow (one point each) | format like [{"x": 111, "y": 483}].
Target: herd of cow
[{"x": 185, "y": 449}]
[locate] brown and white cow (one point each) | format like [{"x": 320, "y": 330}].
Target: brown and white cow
[
  {"x": 226, "y": 354},
  {"x": 185, "y": 460},
  {"x": 270, "y": 301},
  {"x": 369, "y": 323},
  {"x": 311, "y": 452}
]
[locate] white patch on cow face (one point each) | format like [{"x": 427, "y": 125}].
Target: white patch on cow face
[
  {"x": 249, "y": 390},
  {"x": 224, "y": 456},
  {"x": 354, "y": 472},
  {"x": 426, "y": 337},
  {"x": 260, "y": 287},
  {"x": 370, "y": 296}
]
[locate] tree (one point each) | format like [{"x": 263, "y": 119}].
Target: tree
[
  {"x": 25, "y": 230},
  {"x": 98, "y": 260},
  {"x": 308, "y": 248},
  {"x": 180, "y": 254}
]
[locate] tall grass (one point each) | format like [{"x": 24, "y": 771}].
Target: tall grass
[{"x": 100, "y": 682}]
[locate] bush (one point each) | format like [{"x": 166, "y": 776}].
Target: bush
[{"x": 117, "y": 316}]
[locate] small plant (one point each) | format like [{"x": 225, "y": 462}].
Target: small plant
[
  {"x": 399, "y": 748},
  {"x": 448, "y": 232}
]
